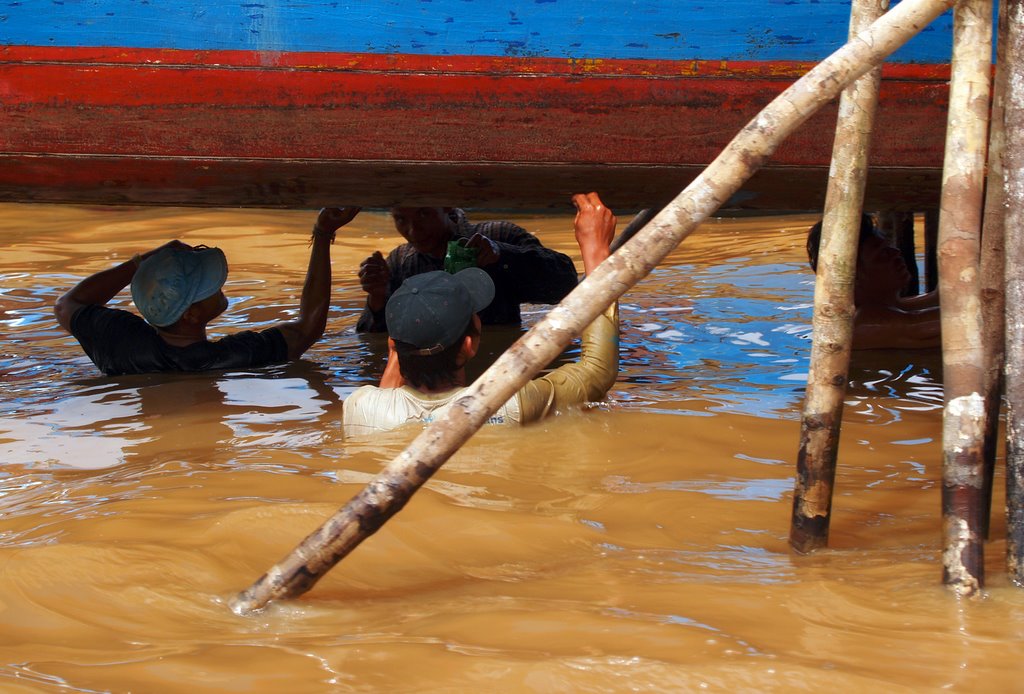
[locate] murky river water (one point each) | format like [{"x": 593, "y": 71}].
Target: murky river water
[{"x": 638, "y": 546}]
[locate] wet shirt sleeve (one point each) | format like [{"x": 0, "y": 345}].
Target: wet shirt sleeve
[
  {"x": 536, "y": 274},
  {"x": 119, "y": 342},
  {"x": 587, "y": 380}
]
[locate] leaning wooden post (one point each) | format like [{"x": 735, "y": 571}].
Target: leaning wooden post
[
  {"x": 1013, "y": 171},
  {"x": 963, "y": 180},
  {"x": 833, "y": 301},
  {"x": 993, "y": 280},
  {"x": 386, "y": 494}
]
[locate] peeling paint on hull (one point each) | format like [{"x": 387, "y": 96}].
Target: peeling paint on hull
[{"x": 207, "y": 114}]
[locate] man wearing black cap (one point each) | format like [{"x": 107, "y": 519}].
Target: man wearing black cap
[
  {"x": 177, "y": 289},
  {"x": 434, "y": 329}
]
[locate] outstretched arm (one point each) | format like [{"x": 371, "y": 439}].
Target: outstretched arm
[
  {"x": 101, "y": 287},
  {"x": 303, "y": 332},
  {"x": 884, "y": 327}
]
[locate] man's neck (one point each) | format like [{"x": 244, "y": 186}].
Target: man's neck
[
  {"x": 181, "y": 338},
  {"x": 457, "y": 380}
]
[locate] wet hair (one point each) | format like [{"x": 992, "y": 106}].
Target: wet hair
[
  {"x": 431, "y": 371},
  {"x": 867, "y": 230}
]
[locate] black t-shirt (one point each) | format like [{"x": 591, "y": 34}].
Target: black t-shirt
[{"x": 119, "y": 342}]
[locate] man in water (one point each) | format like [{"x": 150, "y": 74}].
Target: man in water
[
  {"x": 177, "y": 289},
  {"x": 884, "y": 319},
  {"x": 434, "y": 330},
  {"x": 522, "y": 270}
]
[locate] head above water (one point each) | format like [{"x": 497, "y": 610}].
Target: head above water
[
  {"x": 867, "y": 230},
  {"x": 170, "y": 281},
  {"x": 431, "y": 311},
  {"x": 428, "y": 229}
]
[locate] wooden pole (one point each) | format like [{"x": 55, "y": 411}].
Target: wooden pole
[
  {"x": 931, "y": 255},
  {"x": 639, "y": 221},
  {"x": 963, "y": 177},
  {"x": 386, "y": 494},
  {"x": 993, "y": 275},
  {"x": 1013, "y": 171},
  {"x": 898, "y": 226},
  {"x": 832, "y": 326}
]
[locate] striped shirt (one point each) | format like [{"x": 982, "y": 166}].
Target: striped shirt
[{"x": 526, "y": 272}]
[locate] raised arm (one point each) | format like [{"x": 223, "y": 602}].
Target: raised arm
[
  {"x": 303, "y": 332},
  {"x": 101, "y": 287},
  {"x": 594, "y": 226},
  {"x": 590, "y": 378}
]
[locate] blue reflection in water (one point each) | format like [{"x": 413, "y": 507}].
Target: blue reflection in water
[
  {"x": 735, "y": 337},
  {"x": 735, "y": 334}
]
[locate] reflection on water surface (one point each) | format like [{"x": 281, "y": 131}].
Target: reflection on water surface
[{"x": 627, "y": 547}]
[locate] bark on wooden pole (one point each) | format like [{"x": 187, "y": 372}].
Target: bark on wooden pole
[
  {"x": 832, "y": 333},
  {"x": 638, "y": 222},
  {"x": 386, "y": 494},
  {"x": 931, "y": 255},
  {"x": 993, "y": 271},
  {"x": 898, "y": 225},
  {"x": 1013, "y": 172},
  {"x": 963, "y": 177}
]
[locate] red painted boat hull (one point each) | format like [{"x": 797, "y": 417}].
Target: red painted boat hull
[{"x": 226, "y": 128}]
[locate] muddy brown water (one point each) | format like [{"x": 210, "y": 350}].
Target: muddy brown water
[{"x": 638, "y": 546}]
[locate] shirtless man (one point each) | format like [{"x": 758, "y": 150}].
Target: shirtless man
[{"x": 883, "y": 318}]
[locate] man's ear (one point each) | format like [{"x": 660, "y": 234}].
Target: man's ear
[
  {"x": 392, "y": 376},
  {"x": 470, "y": 346}
]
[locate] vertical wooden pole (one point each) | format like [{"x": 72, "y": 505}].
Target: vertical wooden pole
[
  {"x": 1013, "y": 163},
  {"x": 899, "y": 226},
  {"x": 993, "y": 271},
  {"x": 931, "y": 256},
  {"x": 963, "y": 178},
  {"x": 833, "y": 302}
]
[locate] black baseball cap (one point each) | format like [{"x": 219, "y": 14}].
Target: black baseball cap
[{"x": 431, "y": 311}]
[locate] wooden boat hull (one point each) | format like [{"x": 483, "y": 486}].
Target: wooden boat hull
[{"x": 144, "y": 124}]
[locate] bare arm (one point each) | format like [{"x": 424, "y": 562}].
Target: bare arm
[
  {"x": 101, "y": 287},
  {"x": 926, "y": 300},
  {"x": 595, "y": 227},
  {"x": 892, "y": 328},
  {"x": 309, "y": 327}
]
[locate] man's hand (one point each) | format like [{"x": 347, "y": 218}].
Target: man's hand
[
  {"x": 595, "y": 227},
  {"x": 375, "y": 278},
  {"x": 331, "y": 219},
  {"x": 487, "y": 252}
]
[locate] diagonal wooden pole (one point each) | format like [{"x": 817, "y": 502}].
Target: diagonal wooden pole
[
  {"x": 1013, "y": 172},
  {"x": 833, "y": 301},
  {"x": 386, "y": 494},
  {"x": 963, "y": 180}
]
